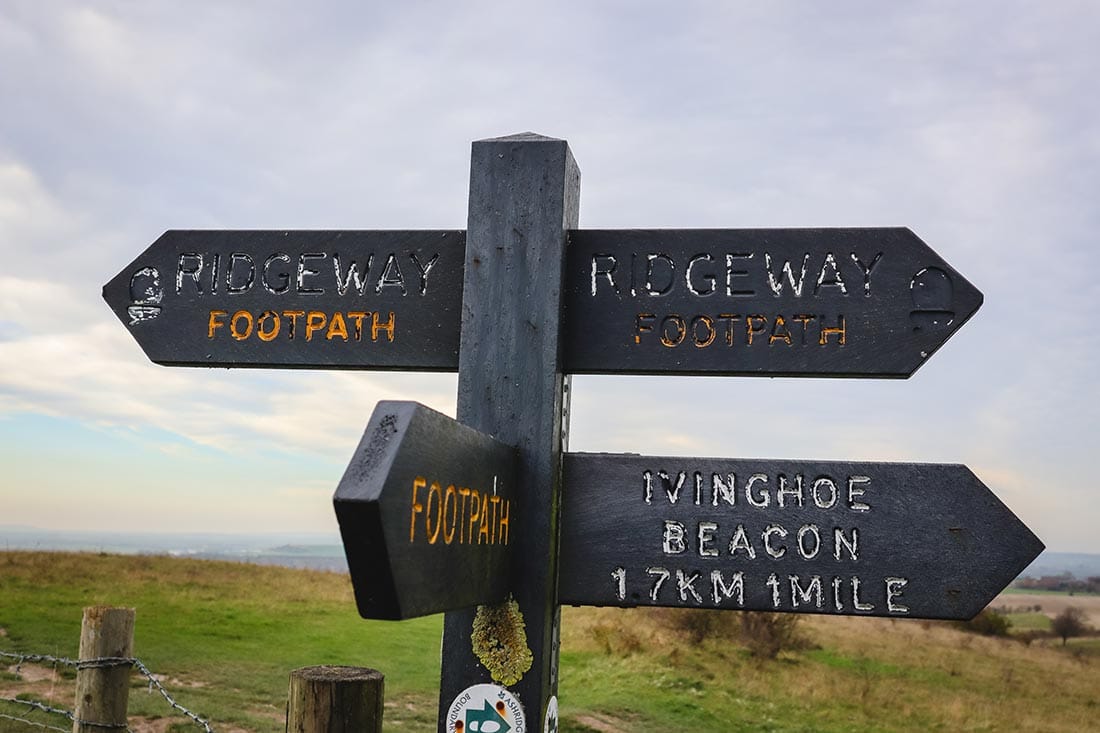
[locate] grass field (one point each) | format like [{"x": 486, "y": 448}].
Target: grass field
[
  {"x": 224, "y": 637},
  {"x": 1051, "y": 604}
]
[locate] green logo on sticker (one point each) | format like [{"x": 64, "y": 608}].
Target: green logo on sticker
[{"x": 487, "y": 720}]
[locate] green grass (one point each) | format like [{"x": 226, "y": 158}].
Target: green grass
[
  {"x": 1085, "y": 647},
  {"x": 236, "y": 629},
  {"x": 1032, "y": 621},
  {"x": 854, "y": 675},
  {"x": 1012, "y": 590},
  {"x": 225, "y": 636}
]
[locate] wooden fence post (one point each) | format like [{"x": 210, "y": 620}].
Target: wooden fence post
[
  {"x": 330, "y": 699},
  {"x": 103, "y": 690}
]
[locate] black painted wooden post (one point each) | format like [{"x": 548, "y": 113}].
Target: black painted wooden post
[{"x": 524, "y": 196}]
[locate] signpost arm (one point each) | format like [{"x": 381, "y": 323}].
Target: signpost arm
[{"x": 524, "y": 196}]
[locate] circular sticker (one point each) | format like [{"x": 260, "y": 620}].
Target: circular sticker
[
  {"x": 551, "y": 724},
  {"x": 487, "y": 709}
]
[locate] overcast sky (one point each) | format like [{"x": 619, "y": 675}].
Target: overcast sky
[{"x": 974, "y": 124}]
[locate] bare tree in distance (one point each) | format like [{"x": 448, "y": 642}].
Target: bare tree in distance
[{"x": 1070, "y": 622}]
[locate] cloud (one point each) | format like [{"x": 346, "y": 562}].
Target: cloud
[
  {"x": 968, "y": 125},
  {"x": 95, "y": 375}
]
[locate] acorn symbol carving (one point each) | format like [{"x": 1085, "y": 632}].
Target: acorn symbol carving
[
  {"x": 933, "y": 296},
  {"x": 145, "y": 295}
]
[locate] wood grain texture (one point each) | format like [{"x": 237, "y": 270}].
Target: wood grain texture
[
  {"x": 103, "y": 691},
  {"x": 332, "y": 699}
]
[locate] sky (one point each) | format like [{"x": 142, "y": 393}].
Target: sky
[{"x": 974, "y": 124}]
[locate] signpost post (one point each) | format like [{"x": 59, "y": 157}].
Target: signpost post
[
  {"x": 467, "y": 516},
  {"x": 524, "y": 197}
]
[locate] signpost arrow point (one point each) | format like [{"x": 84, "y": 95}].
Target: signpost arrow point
[
  {"x": 855, "y": 302},
  {"x": 383, "y": 299},
  {"x": 911, "y": 540},
  {"x": 425, "y": 513}
]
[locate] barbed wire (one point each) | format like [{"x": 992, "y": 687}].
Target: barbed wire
[
  {"x": 81, "y": 664},
  {"x": 31, "y": 722},
  {"x": 155, "y": 683},
  {"x": 4, "y": 716},
  {"x": 44, "y": 708}
]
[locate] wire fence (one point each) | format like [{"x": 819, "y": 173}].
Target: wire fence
[{"x": 29, "y": 705}]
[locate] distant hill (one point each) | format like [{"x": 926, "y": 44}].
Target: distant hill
[
  {"x": 315, "y": 550},
  {"x": 323, "y": 551},
  {"x": 1077, "y": 564}
]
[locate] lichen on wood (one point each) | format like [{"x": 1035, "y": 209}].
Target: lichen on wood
[{"x": 499, "y": 640}]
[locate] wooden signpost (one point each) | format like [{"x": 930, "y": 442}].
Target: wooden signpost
[
  {"x": 909, "y": 540},
  {"x": 489, "y": 518},
  {"x": 746, "y": 302},
  {"x": 425, "y": 509},
  {"x": 759, "y": 302},
  {"x": 340, "y": 300}
]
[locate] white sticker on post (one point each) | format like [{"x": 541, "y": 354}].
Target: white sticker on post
[{"x": 486, "y": 708}]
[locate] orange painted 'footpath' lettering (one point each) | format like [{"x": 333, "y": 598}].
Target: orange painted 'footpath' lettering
[
  {"x": 303, "y": 325},
  {"x": 457, "y": 514}
]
